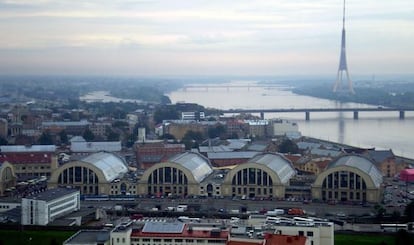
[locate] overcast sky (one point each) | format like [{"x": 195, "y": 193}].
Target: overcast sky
[{"x": 204, "y": 37}]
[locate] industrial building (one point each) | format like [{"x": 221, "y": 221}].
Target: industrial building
[
  {"x": 97, "y": 174},
  {"x": 45, "y": 207},
  {"x": 349, "y": 178}
]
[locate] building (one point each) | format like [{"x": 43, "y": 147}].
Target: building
[
  {"x": 79, "y": 146},
  {"x": 389, "y": 164},
  {"x": 89, "y": 237},
  {"x": 349, "y": 178},
  {"x": 179, "y": 128},
  {"x": 97, "y": 174},
  {"x": 153, "y": 152},
  {"x": 193, "y": 115},
  {"x": 279, "y": 127},
  {"x": 257, "y": 128},
  {"x": 70, "y": 127},
  {"x": 316, "y": 165},
  {"x": 99, "y": 129},
  {"x": 265, "y": 175},
  {"x": 4, "y": 127},
  {"x": 165, "y": 233},
  {"x": 44, "y": 207},
  {"x": 31, "y": 160},
  {"x": 181, "y": 175},
  {"x": 7, "y": 177},
  {"x": 315, "y": 230},
  {"x": 229, "y": 158}
]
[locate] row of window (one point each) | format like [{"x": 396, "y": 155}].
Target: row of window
[
  {"x": 168, "y": 241},
  {"x": 17, "y": 167}
]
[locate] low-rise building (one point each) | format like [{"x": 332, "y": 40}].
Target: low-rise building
[
  {"x": 44, "y": 207},
  {"x": 30, "y": 161},
  {"x": 95, "y": 174},
  {"x": 89, "y": 237}
]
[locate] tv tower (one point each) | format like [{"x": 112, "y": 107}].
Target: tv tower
[{"x": 343, "y": 67}]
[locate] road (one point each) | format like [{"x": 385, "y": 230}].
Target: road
[{"x": 230, "y": 206}]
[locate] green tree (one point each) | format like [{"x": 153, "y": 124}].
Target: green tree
[
  {"x": 379, "y": 210},
  {"x": 88, "y": 135},
  {"x": 192, "y": 139},
  {"x": 409, "y": 212},
  {"x": 288, "y": 146},
  {"x": 63, "y": 137},
  {"x": 165, "y": 113},
  {"x": 216, "y": 131},
  {"x": 112, "y": 136},
  {"x": 3, "y": 141},
  {"x": 45, "y": 139}
]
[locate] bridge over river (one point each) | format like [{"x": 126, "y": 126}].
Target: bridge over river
[{"x": 307, "y": 111}]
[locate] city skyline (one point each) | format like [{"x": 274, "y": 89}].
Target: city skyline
[{"x": 150, "y": 37}]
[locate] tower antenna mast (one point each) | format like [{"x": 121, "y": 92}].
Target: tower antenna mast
[{"x": 343, "y": 67}]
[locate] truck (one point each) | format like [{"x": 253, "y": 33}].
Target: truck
[
  {"x": 275, "y": 212},
  {"x": 118, "y": 207},
  {"x": 296, "y": 211},
  {"x": 181, "y": 208}
]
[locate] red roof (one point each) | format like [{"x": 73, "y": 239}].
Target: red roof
[
  {"x": 275, "y": 239},
  {"x": 232, "y": 242},
  {"x": 22, "y": 158}
]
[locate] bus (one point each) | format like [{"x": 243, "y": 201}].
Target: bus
[{"x": 396, "y": 227}]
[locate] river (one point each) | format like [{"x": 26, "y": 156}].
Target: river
[{"x": 382, "y": 130}]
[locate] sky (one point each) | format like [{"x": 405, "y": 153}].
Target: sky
[{"x": 204, "y": 37}]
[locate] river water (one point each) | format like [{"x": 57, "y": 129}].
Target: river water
[{"x": 382, "y": 130}]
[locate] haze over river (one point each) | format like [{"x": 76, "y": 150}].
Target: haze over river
[{"x": 382, "y": 130}]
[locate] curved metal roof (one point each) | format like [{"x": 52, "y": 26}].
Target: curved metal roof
[
  {"x": 360, "y": 163},
  {"x": 279, "y": 164},
  {"x": 111, "y": 165},
  {"x": 198, "y": 165}
]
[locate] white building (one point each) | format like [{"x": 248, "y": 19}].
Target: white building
[
  {"x": 79, "y": 145},
  {"x": 317, "y": 231},
  {"x": 193, "y": 115},
  {"x": 44, "y": 207},
  {"x": 284, "y": 128}
]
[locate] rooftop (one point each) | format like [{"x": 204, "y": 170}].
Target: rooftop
[
  {"x": 27, "y": 148},
  {"x": 88, "y": 237},
  {"x": 177, "y": 229},
  {"x": 52, "y": 194}
]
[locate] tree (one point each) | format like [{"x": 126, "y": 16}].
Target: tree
[
  {"x": 380, "y": 211},
  {"x": 191, "y": 139},
  {"x": 164, "y": 113},
  {"x": 63, "y": 137},
  {"x": 3, "y": 141},
  {"x": 112, "y": 136},
  {"x": 45, "y": 139},
  {"x": 88, "y": 135},
  {"x": 217, "y": 131},
  {"x": 409, "y": 212},
  {"x": 288, "y": 146}
]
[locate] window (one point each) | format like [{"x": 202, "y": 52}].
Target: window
[
  {"x": 301, "y": 233},
  {"x": 309, "y": 233}
]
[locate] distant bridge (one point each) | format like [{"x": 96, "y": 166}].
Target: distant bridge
[
  {"x": 227, "y": 87},
  {"x": 307, "y": 111}
]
